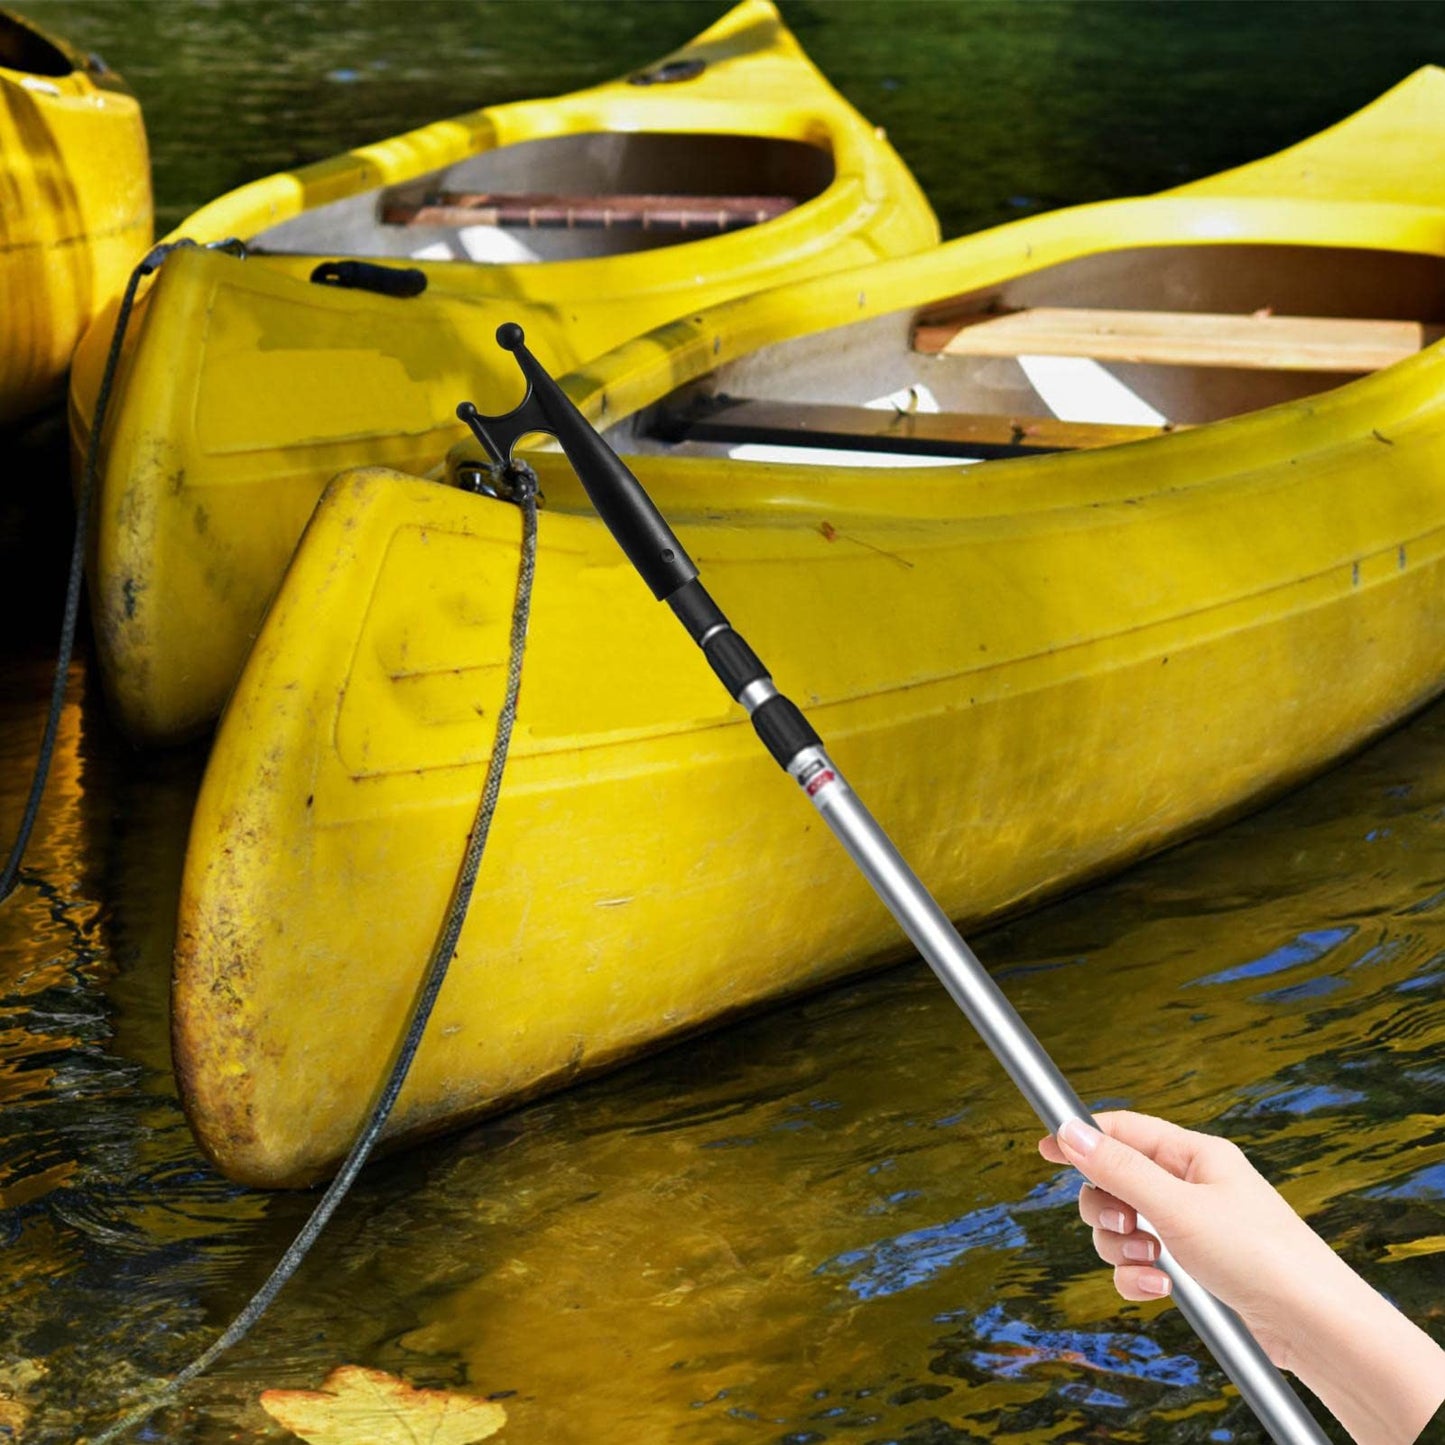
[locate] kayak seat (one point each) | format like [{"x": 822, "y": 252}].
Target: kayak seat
[
  {"x": 531, "y": 211},
  {"x": 1260, "y": 341}
]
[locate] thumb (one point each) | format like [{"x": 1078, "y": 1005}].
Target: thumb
[{"x": 1127, "y": 1174}]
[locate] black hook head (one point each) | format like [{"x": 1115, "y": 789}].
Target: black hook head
[{"x": 615, "y": 492}]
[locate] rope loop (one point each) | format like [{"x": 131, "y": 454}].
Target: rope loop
[{"x": 516, "y": 481}]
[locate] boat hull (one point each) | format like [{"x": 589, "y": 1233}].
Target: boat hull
[
  {"x": 1033, "y": 672},
  {"x": 1025, "y": 700},
  {"x": 75, "y": 174},
  {"x": 245, "y": 387}
]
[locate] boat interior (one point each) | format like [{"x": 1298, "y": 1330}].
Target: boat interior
[
  {"x": 566, "y": 198},
  {"x": 21, "y": 49},
  {"x": 1102, "y": 349}
]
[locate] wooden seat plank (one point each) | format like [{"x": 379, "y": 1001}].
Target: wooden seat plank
[
  {"x": 957, "y": 434},
  {"x": 1184, "y": 338},
  {"x": 533, "y": 210}
]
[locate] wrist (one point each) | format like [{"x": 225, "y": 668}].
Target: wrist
[{"x": 1372, "y": 1367}]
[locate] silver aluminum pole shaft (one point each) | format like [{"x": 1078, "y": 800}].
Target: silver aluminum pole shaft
[{"x": 1037, "y": 1077}]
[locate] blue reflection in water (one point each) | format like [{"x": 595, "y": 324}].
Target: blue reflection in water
[
  {"x": 996, "y": 1343},
  {"x": 1310, "y": 988},
  {"x": 902, "y": 1261},
  {"x": 1090, "y": 1395},
  {"x": 1426, "y": 905},
  {"x": 894, "y": 1265},
  {"x": 1421, "y": 980},
  {"x": 1306, "y": 1099},
  {"x": 1426, "y": 1183},
  {"x": 1386, "y": 951},
  {"x": 1007, "y": 1348},
  {"x": 1305, "y": 948}
]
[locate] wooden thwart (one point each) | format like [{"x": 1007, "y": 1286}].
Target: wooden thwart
[
  {"x": 856, "y": 428},
  {"x": 644, "y": 212},
  {"x": 1184, "y": 338}
]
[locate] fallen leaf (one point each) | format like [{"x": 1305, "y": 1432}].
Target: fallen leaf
[
  {"x": 17, "y": 1382},
  {"x": 357, "y": 1406},
  {"x": 13, "y": 1415}
]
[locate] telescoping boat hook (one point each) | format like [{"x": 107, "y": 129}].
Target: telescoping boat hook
[{"x": 650, "y": 545}]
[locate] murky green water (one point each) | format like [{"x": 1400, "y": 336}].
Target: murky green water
[{"x": 827, "y": 1224}]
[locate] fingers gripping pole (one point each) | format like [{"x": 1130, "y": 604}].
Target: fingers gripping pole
[{"x": 645, "y": 536}]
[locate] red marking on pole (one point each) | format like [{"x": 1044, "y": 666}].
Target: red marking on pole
[{"x": 822, "y": 780}]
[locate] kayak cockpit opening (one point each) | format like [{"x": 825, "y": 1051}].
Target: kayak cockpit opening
[
  {"x": 1113, "y": 347},
  {"x": 565, "y": 198},
  {"x": 25, "y": 50}
]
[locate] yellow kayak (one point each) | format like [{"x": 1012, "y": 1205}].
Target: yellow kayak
[
  {"x": 1071, "y": 538},
  {"x": 75, "y": 177},
  {"x": 728, "y": 167}
]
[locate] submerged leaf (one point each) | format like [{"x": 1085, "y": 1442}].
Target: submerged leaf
[
  {"x": 18, "y": 1379},
  {"x": 357, "y": 1406}
]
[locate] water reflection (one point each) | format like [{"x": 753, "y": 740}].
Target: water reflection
[
  {"x": 1000, "y": 108},
  {"x": 826, "y": 1224}
]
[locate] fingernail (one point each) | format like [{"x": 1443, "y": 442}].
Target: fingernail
[
  {"x": 1143, "y": 1251},
  {"x": 1079, "y": 1136},
  {"x": 1154, "y": 1282},
  {"x": 1113, "y": 1220}
]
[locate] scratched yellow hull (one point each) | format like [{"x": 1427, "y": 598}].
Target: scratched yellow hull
[
  {"x": 1033, "y": 670},
  {"x": 75, "y": 177},
  {"x": 245, "y": 387}
]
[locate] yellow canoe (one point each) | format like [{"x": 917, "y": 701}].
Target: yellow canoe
[
  {"x": 75, "y": 175},
  {"x": 1034, "y": 668},
  {"x": 728, "y": 167}
]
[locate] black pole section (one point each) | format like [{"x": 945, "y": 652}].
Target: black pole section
[
  {"x": 646, "y": 538},
  {"x": 615, "y": 492}
]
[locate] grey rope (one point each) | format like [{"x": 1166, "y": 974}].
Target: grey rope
[
  {"x": 524, "y": 491},
  {"x": 71, "y": 618}
]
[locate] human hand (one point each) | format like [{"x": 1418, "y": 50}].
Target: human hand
[
  {"x": 1377, "y": 1372},
  {"x": 1221, "y": 1219}
]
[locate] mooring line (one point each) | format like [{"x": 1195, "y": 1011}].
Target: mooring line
[
  {"x": 71, "y": 617},
  {"x": 521, "y": 483}
]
